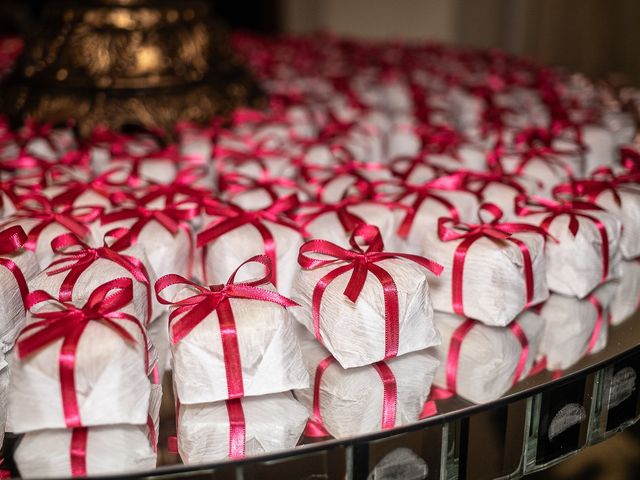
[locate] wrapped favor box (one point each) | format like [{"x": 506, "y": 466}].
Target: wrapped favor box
[
  {"x": 271, "y": 423},
  {"x": 493, "y": 281},
  {"x": 626, "y": 299},
  {"x": 211, "y": 364},
  {"x": 17, "y": 267},
  {"x": 489, "y": 357},
  {"x": 362, "y": 323},
  {"x": 108, "y": 361},
  {"x": 109, "y": 449},
  {"x": 229, "y": 240},
  {"x": 578, "y": 258},
  {"x": 79, "y": 269},
  {"x": 165, "y": 239},
  {"x": 352, "y": 401},
  {"x": 574, "y": 327}
]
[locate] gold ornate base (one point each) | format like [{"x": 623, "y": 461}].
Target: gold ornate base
[{"x": 120, "y": 63}]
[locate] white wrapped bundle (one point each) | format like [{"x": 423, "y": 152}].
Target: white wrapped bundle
[
  {"x": 601, "y": 147},
  {"x": 415, "y": 224},
  {"x": 168, "y": 248},
  {"x": 351, "y": 401},
  {"x": 14, "y": 286},
  {"x": 327, "y": 225},
  {"x": 625, "y": 207},
  {"x": 77, "y": 258},
  {"x": 494, "y": 287},
  {"x": 626, "y": 300},
  {"x": 44, "y": 222},
  {"x": 489, "y": 357},
  {"x": 109, "y": 450},
  {"x": 546, "y": 171},
  {"x": 205, "y": 367},
  {"x": 272, "y": 422},
  {"x": 105, "y": 363},
  {"x": 574, "y": 259},
  {"x": 354, "y": 328},
  {"x": 225, "y": 249},
  {"x": 574, "y": 327}
]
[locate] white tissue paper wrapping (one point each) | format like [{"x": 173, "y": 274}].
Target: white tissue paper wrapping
[
  {"x": 106, "y": 368},
  {"x": 569, "y": 326},
  {"x": 269, "y": 353},
  {"x": 493, "y": 285},
  {"x": 98, "y": 273},
  {"x": 227, "y": 252},
  {"x": 111, "y": 449},
  {"x": 43, "y": 251},
  {"x": 327, "y": 226},
  {"x": 158, "y": 333},
  {"x": 629, "y": 214},
  {"x": 273, "y": 422},
  {"x": 574, "y": 264},
  {"x": 4, "y": 394},
  {"x": 12, "y": 315},
  {"x": 427, "y": 215},
  {"x": 165, "y": 252},
  {"x": 626, "y": 299},
  {"x": 547, "y": 174},
  {"x": 489, "y": 356},
  {"x": 354, "y": 333},
  {"x": 351, "y": 400},
  {"x": 504, "y": 195},
  {"x": 601, "y": 147}
]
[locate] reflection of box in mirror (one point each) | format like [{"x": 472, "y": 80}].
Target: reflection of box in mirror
[
  {"x": 352, "y": 401},
  {"x": 488, "y": 357}
]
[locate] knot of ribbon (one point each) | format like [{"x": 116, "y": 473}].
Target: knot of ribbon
[
  {"x": 494, "y": 230},
  {"x": 76, "y": 257},
  {"x": 67, "y": 322},
  {"x": 234, "y": 216},
  {"x": 189, "y": 312},
  {"x": 360, "y": 262},
  {"x": 38, "y": 207},
  {"x": 574, "y": 209}
]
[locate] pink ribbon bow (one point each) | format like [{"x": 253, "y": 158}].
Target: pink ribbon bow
[
  {"x": 469, "y": 233},
  {"x": 234, "y": 217},
  {"x": 38, "y": 207},
  {"x": 68, "y": 322},
  {"x": 360, "y": 262},
  {"x": 77, "y": 257},
  {"x": 575, "y": 209}
]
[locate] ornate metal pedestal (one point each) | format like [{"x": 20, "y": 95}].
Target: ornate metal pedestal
[{"x": 146, "y": 63}]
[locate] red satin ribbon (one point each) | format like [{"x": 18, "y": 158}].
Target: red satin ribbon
[
  {"x": 237, "y": 428},
  {"x": 236, "y": 217},
  {"x": 315, "y": 427},
  {"x": 602, "y": 179},
  {"x": 78, "y": 451},
  {"x": 574, "y": 208},
  {"x": 37, "y": 207},
  {"x": 68, "y": 323},
  {"x": 77, "y": 257},
  {"x": 190, "y": 312},
  {"x": 172, "y": 218},
  {"x": 11, "y": 241},
  {"x": 361, "y": 262},
  {"x": 469, "y": 233}
]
